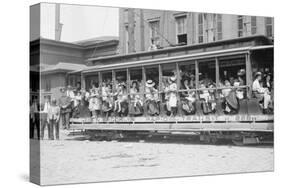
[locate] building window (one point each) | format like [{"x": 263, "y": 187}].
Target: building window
[
  {"x": 240, "y": 26},
  {"x": 219, "y": 27},
  {"x": 200, "y": 28},
  {"x": 154, "y": 31},
  {"x": 253, "y": 25},
  {"x": 181, "y": 30},
  {"x": 269, "y": 27}
]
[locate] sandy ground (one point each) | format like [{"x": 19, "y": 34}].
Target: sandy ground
[{"x": 73, "y": 161}]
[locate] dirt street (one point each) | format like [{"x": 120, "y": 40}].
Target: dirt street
[{"x": 72, "y": 161}]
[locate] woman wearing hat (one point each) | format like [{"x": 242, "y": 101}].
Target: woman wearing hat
[
  {"x": 151, "y": 98},
  {"x": 261, "y": 93},
  {"x": 188, "y": 98},
  {"x": 172, "y": 96},
  {"x": 107, "y": 102},
  {"x": 94, "y": 100},
  {"x": 240, "y": 92},
  {"x": 135, "y": 107},
  {"x": 120, "y": 104},
  {"x": 230, "y": 103}
]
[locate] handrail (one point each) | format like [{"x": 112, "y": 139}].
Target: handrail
[{"x": 181, "y": 90}]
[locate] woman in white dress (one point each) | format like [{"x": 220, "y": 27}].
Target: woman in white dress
[
  {"x": 94, "y": 101},
  {"x": 172, "y": 96}
]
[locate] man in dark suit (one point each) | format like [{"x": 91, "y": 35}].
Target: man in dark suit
[
  {"x": 65, "y": 108},
  {"x": 34, "y": 118}
]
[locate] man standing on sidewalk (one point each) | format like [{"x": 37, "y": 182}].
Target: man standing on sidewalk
[
  {"x": 43, "y": 115},
  {"x": 65, "y": 108},
  {"x": 53, "y": 119}
]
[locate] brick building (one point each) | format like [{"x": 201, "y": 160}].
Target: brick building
[{"x": 171, "y": 28}]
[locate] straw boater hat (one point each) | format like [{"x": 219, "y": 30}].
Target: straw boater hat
[
  {"x": 258, "y": 74},
  {"x": 149, "y": 83},
  {"x": 241, "y": 72}
]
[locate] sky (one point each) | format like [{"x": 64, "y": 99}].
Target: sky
[{"x": 79, "y": 22}]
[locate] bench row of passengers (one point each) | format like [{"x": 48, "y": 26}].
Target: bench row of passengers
[{"x": 103, "y": 100}]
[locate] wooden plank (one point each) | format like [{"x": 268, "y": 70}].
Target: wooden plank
[{"x": 258, "y": 127}]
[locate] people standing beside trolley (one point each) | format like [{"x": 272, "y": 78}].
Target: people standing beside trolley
[
  {"x": 82, "y": 110},
  {"x": 44, "y": 116},
  {"x": 261, "y": 93},
  {"x": 71, "y": 93},
  {"x": 94, "y": 101},
  {"x": 64, "y": 103},
  {"x": 136, "y": 104},
  {"x": 53, "y": 119},
  {"x": 34, "y": 118},
  {"x": 151, "y": 98}
]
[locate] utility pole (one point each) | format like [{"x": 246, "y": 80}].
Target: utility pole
[
  {"x": 58, "y": 25},
  {"x": 131, "y": 30}
]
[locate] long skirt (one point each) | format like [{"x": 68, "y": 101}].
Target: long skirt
[
  {"x": 232, "y": 100},
  {"x": 152, "y": 107},
  {"x": 188, "y": 107},
  {"x": 135, "y": 109},
  {"x": 124, "y": 108}
]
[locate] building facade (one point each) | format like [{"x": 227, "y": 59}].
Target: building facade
[
  {"x": 54, "y": 60},
  {"x": 138, "y": 27}
]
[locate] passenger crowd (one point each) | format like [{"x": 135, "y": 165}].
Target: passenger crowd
[{"x": 152, "y": 99}]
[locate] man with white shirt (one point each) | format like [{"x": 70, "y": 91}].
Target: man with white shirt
[
  {"x": 44, "y": 117},
  {"x": 261, "y": 93}
]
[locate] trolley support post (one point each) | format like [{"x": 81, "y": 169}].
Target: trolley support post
[
  {"x": 196, "y": 74},
  {"x": 144, "y": 81},
  {"x": 113, "y": 81},
  {"x": 196, "y": 78},
  {"x": 217, "y": 72},
  {"x": 83, "y": 81},
  {"x": 249, "y": 79},
  {"x": 128, "y": 80}
]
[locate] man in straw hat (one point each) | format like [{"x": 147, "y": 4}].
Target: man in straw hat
[
  {"x": 261, "y": 93},
  {"x": 64, "y": 103}
]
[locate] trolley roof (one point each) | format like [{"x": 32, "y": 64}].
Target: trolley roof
[{"x": 180, "y": 58}]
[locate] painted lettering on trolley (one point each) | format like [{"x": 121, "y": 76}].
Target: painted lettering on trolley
[{"x": 209, "y": 118}]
